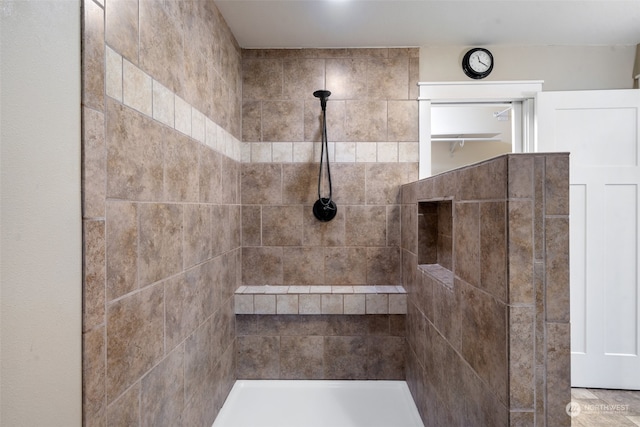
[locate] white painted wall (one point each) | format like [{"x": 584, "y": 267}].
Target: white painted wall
[
  {"x": 561, "y": 67},
  {"x": 40, "y": 225},
  {"x": 471, "y": 120}
]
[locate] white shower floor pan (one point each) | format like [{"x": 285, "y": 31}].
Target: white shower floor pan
[{"x": 284, "y": 403}]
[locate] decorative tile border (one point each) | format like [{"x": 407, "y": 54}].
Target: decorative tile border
[
  {"x": 320, "y": 300},
  {"x": 130, "y": 85},
  {"x": 339, "y": 152},
  {"x": 127, "y": 83}
]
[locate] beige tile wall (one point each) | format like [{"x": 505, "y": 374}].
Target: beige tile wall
[
  {"x": 491, "y": 346},
  {"x": 321, "y": 346},
  {"x": 372, "y": 128},
  {"x": 306, "y": 300},
  {"x": 161, "y": 209}
]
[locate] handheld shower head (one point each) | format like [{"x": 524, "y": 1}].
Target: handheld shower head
[
  {"x": 324, "y": 209},
  {"x": 323, "y": 95}
]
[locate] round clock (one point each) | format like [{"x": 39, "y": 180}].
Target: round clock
[{"x": 477, "y": 63}]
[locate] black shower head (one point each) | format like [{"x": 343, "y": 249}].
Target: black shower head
[{"x": 323, "y": 95}]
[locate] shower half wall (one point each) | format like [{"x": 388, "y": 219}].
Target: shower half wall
[{"x": 486, "y": 268}]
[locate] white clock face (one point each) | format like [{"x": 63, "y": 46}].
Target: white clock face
[{"x": 480, "y": 61}]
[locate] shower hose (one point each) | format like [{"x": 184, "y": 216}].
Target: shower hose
[{"x": 324, "y": 209}]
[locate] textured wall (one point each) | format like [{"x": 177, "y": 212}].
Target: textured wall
[
  {"x": 373, "y": 132},
  {"x": 372, "y": 126},
  {"x": 313, "y": 347},
  {"x": 558, "y": 66},
  {"x": 40, "y": 232},
  {"x": 161, "y": 209},
  {"x": 489, "y": 335}
]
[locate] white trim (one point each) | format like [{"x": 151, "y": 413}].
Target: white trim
[
  {"x": 476, "y": 91},
  {"x": 443, "y": 92}
]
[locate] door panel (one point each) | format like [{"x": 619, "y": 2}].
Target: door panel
[
  {"x": 620, "y": 254},
  {"x": 578, "y": 266},
  {"x": 600, "y": 129},
  {"x": 579, "y": 128}
]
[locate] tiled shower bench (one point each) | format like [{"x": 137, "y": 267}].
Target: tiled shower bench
[
  {"x": 310, "y": 300},
  {"x": 321, "y": 332}
]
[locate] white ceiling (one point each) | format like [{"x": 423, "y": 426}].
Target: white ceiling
[{"x": 401, "y": 23}]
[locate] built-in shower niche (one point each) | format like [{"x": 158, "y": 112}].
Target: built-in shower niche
[{"x": 435, "y": 239}]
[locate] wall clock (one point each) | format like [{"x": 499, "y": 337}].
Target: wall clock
[{"x": 477, "y": 63}]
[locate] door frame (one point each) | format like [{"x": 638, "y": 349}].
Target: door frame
[{"x": 474, "y": 92}]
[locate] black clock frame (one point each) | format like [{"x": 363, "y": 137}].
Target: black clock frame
[{"x": 467, "y": 68}]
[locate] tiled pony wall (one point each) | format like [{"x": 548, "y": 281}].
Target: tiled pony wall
[
  {"x": 161, "y": 209},
  {"x": 488, "y": 322}
]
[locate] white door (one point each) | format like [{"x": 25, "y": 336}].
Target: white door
[{"x": 600, "y": 129}]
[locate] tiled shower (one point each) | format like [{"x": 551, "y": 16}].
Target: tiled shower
[
  {"x": 178, "y": 212},
  {"x": 199, "y": 173}
]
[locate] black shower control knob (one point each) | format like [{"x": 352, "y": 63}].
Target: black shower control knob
[{"x": 325, "y": 210}]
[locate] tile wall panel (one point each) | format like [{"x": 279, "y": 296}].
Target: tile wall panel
[
  {"x": 93, "y": 52},
  {"x": 94, "y": 156},
  {"x": 372, "y": 128},
  {"x": 161, "y": 209},
  {"x": 323, "y": 346},
  {"x": 94, "y": 277},
  {"x": 492, "y": 346}
]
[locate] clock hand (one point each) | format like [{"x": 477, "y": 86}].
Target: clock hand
[{"x": 482, "y": 63}]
